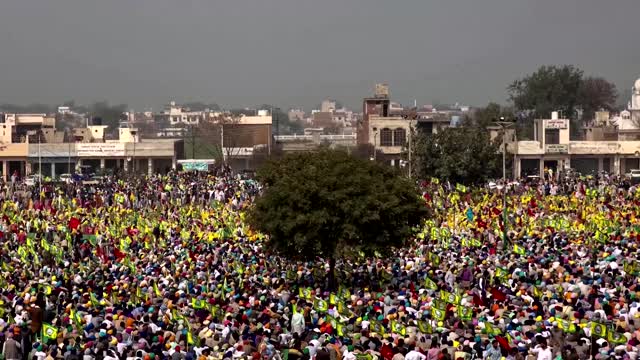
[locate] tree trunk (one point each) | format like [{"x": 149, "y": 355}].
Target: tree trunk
[{"x": 332, "y": 274}]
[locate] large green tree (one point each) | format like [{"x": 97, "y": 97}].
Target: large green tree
[
  {"x": 486, "y": 116},
  {"x": 562, "y": 88},
  {"x": 596, "y": 94},
  {"x": 110, "y": 115},
  {"x": 550, "y": 88},
  {"x": 465, "y": 155},
  {"x": 326, "y": 204}
]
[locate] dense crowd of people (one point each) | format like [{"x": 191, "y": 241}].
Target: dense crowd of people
[{"x": 165, "y": 267}]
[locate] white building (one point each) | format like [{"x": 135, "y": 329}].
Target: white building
[
  {"x": 612, "y": 145},
  {"x": 64, "y": 110},
  {"x": 634, "y": 105},
  {"x": 328, "y": 106},
  {"x": 296, "y": 115},
  {"x": 629, "y": 119},
  {"x": 176, "y": 114}
]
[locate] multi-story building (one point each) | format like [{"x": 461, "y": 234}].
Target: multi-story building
[
  {"x": 343, "y": 117},
  {"x": 387, "y": 129},
  {"x": 634, "y": 104},
  {"x": 244, "y": 137},
  {"x": 296, "y": 115},
  {"x": 376, "y": 106},
  {"x": 328, "y": 106},
  {"x": 611, "y": 144},
  {"x": 174, "y": 115},
  {"x": 30, "y": 144}
]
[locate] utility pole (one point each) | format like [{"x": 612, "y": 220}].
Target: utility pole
[
  {"x": 69, "y": 158},
  {"x": 134, "y": 157},
  {"x": 410, "y": 149},
  {"x": 39, "y": 163},
  {"x": 193, "y": 142},
  {"x": 277, "y": 122},
  {"x": 504, "y": 125},
  {"x": 222, "y": 140},
  {"x": 375, "y": 144}
]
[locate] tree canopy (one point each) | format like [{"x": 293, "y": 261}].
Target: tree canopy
[
  {"x": 483, "y": 117},
  {"x": 596, "y": 94},
  {"x": 464, "y": 155},
  {"x": 328, "y": 203},
  {"x": 110, "y": 115},
  {"x": 561, "y": 88}
]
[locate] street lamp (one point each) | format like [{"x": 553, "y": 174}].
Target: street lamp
[
  {"x": 410, "y": 149},
  {"x": 504, "y": 124},
  {"x": 375, "y": 143}
]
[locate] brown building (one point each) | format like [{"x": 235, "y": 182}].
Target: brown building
[{"x": 376, "y": 106}]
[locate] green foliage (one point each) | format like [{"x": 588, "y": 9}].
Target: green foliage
[
  {"x": 199, "y": 147},
  {"x": 329, "y": 203},
  {"x": 596, "y": 94},
  {"x": 110, "y": 115},
  {"x": 562, "y": 88},
  {"x": 464, "y": 155},
  {"x": 202, "y": 141},
  {"x": 550, "y": 88},
  {"x": 488, "y": 115}
]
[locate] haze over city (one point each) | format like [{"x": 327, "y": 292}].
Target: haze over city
[{"x": 294, "y": 53}]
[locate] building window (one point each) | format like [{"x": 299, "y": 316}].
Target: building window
[
  {"x": 399, "y": 137},
  {"x": 386, "y": 137},
  {"x": 552, "y": 136}
]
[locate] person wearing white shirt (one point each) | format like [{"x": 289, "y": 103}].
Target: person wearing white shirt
[
  {"x": 543, "y": 352},
  {"x": 41, "y": 355},
  {"x": 297, "y": 323},
  {"x": 348, "y": 355},
  {"x": 415, "y": 355}
]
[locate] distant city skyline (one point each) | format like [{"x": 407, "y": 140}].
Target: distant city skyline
[{"x": 294, "y": 54}]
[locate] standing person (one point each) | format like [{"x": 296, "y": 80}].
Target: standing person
[
  {"x": 415, "y": 354},
  {"x": 297, "y": 323},
  {"x": 434, "y": 351},
  {"x": 11, "y": 349},
  {"x": 543, "y": 352},
  {"x": 493, "y": 351},
  {"x": 466, "y": 277}
]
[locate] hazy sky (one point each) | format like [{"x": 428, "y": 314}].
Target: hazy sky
[{"x": 297, "y": 52}]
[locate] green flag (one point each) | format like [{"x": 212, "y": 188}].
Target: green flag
[
  {"x": 438, "y": 314},
  {"x": 376, "y": 327},
  {"x": 398, "y": 328},
  {"x": 598, "y": 329},
  {"x": 49, "y": 332},
  {"x": 320, "y": 305},
  {"x": 491, "y": 330},
  {"x": 425, "y": 327},
  {"x": 566, "y": 326},
  {"x": 616, "y": 338},
  {"x": 465, "y": 313},
  {"x": 198, "y": 303},
  {"x": 519, "y": 250},
  {"x": 430, "y": 284}
]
